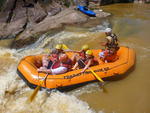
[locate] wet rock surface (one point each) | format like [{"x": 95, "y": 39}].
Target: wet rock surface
[
  {"x": 36, "y": 14},
  {"x": 26, "y": 24},
  {"x": 101, "y": 14},
  {"x": 11, "y": 30},
  {"x": 67, "y": 16}
]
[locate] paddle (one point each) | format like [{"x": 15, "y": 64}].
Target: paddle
[
  {"x": 31, "y": 98},
  {"x": 96, "y": 76},
  {"x": 65, "y": 47}
]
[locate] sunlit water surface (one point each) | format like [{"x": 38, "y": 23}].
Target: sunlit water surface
[{"x": 129, "y": 95}]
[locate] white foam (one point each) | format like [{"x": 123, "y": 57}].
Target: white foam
[
  {"x": 14, "y": 92},
  {"x": 55, "y": 103}
]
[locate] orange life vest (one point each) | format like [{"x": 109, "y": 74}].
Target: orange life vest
[{"x": 109, "y": 56}]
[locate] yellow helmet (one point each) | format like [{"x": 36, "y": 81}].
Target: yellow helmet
[
  {"x": 89, "y": 52},
  {"x": 58, "y": 46},
  {"x": 85, "y": 47}
]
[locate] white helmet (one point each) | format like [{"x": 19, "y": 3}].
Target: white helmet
[{"x": 108, "y": 30}]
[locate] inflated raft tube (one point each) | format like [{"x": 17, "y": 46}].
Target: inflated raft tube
[{"x": 27, "y": 70}]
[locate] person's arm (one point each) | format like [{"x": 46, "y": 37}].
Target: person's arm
[
  {"x": 103, "y": 43},
  {"x": 87, "y": 65},
  {"x": 69, "y": 50}
]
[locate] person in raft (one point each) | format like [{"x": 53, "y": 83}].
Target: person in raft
[
  {"x": 85, "y": 63},
  {"x": 48, "y": 60},
  {"x": 111, "y": 40},
  {"x": 80, "y": 54},
  {"x": 63, "y": 66},
  {"x": 111, "y": 47}
]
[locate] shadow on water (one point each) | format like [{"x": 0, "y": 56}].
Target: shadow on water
[{"x": 73, "y": 87}]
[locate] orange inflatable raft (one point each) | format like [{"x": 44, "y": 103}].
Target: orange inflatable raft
[{"x": 27, "y": 70}]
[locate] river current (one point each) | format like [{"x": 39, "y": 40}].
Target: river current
[{"x": 129, "y": 95}]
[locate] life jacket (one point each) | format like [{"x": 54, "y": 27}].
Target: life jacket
[
  {"x": 54, "y": 57},
  {"x": 94, "y": 61},
  {"x": 67, "y": 64},
  {"x": 109, "y": 56},
  {"x": 113, "y": 43},
  {"x": 59, "y": 51},
  {"x": 82, "y": 54}
]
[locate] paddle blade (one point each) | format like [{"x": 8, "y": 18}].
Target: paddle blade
[
  {"x": 96, "y": 76},
  {"x": 104, "y": 89},
  {"x": 101, "y": 85},
  {"x": 31, "y": 98}
]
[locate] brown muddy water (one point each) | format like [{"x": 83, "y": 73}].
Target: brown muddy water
[{"x": 129, "y": 95}]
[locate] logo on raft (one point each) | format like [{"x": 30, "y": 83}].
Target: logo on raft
[
  {"x": 86, "y": 72},
  {"x": 78, "y": 74}
]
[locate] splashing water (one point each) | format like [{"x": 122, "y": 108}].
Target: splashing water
[
  {"x": 128, "y": 95},
  {"x": 14, "y": 92}
]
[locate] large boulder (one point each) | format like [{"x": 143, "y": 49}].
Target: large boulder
[
  {"x": 52, "y": 7},
  {"x": 82, "y": 2},
  {"x": 101, "y": 14},
  {"x": 67, "y": 16},
  {"x": 11, "y": 30},
  {"x": 7, "y": 10},
  {"x": 9, "y": 5},
  {"x": 28, "y": 23},
  {"x": 16, "y": 23},
  {"x": 36, "y": 14},
  {"x": 3, "y": 16},
  {"x": 19, "y": 11}
]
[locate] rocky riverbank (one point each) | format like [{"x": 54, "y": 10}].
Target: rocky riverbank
[{"x": 27, "y": 22}]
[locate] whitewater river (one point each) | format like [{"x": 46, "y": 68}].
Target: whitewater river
[{"x": 130, "y": 95}]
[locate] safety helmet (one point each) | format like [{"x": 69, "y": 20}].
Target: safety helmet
[
  {"x": 85, "y": 47},
  {"x": 89, "y": 52},
  {"x": 63, "y": 57},
  {"x": 58, "y": 46},
  {"x": 108, "y": 30}
]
